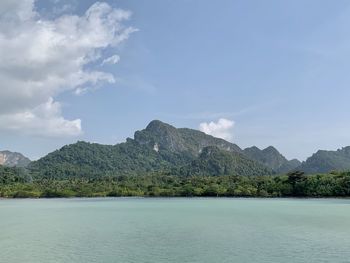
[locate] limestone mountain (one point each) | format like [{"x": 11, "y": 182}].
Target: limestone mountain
[
  {"x": 162, "y": 136},
  {"x": 272, "y": 158},
  {"x": 13, "y": 159},
  {"x": 159, "y": 147},
  {"x": 326, "y": 161}
]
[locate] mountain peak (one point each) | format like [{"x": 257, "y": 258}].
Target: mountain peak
[
  {"x": 271, "y": 149},
  {"x": 161, "y": 134},
  {"x": 252, "y": 149},
  {"x": 164, "y": 136},
  {"x": 157, "y": 124},
  {"x": 272, "y": 158},
  {"x": 8, "y": 158}
]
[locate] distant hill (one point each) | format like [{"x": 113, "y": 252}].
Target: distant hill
[
  {"x": 271, "y": 158},
  {"x": 214, "y": 161},
  {"x": 162, "y": 148},
  {"x": 158, "y": 147},
  {"x": 12, "y": 159},
  {"x": 84, "y": 159},
  {"x": 326, "y": 161}
]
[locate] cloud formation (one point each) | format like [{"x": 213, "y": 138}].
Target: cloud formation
[
  {"x": 220, "y": 129},
  {"x": 43, "y": 120},
  {"x": 41, "y": 58},
  {"x": 111, "y": 60}
]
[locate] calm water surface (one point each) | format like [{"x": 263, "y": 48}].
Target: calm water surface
[{"x": 175, "y": 230}]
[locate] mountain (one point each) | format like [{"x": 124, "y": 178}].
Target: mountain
[
  {"x": 271, "y": 158},
  {"x": 12, "y": 159},
  {"x": 162, "y": 136},
  {"x": 158, "y": 147},
  {"x": 214, "y": 161},
  {"x": 326, "y": 161}
]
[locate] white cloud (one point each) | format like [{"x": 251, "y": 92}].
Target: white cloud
[
  {"x": 43, "y": 120},
  {"x": 220, "y": 129},
  {"x": 41, "y": 58},
  {"x": 111, "y": 60}
]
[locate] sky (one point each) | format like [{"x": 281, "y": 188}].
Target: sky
[{"x": 252, "y": 72}]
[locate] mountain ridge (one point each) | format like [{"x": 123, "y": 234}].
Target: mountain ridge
[
  {"x": 272, "y": 158},
  {"x": 158, "y": 147},
  {"x": 161, "y": 147},
  {"x": 326, "y": 161}
]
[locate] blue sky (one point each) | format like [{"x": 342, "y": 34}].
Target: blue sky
[{"x": 278, "y": 70}]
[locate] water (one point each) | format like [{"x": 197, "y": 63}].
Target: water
[{"x": 175, "y": 230}]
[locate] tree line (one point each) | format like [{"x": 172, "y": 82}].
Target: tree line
[{"x": 18, "y": 183}]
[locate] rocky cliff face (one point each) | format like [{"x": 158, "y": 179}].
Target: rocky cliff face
[
  {"x": 12, "y": 159},
  {"x": 180, "y": 140},
  {"x": 2, "y": 159}
]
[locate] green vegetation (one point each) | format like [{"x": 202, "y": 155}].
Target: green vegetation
[
  {"x": 159, "y": 147},
  {"x": 92, "y": 160},
  {"x": 14, "y": 183},
  {"x": 12, "y": 175},
  {"x": 215, "y": 162},
  {"x": 271, "y": 158},
  {"x": 164, "y": 161},
  {"x": 325, "y": 161}
]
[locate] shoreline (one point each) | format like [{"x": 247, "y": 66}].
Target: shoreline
[{"x": 174, "y": 197}]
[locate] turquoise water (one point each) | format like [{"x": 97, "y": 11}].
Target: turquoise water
[{"x": 175, "y": 230}]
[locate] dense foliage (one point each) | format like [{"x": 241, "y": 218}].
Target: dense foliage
[
  {"x": 11, "y": 175},
  {"x": 14, "y": 185},
  {"x": 84, "y": 159},
  {"x": 215, "y": 162},
  {"x": 94, "y": 160}
]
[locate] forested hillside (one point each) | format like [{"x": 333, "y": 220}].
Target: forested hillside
[
  {"x": 271, "y": 158},
  {"x": 158, "y": 148},
  {"x": 162, "y": 160},
  {"x": 327, "y": 161}
]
